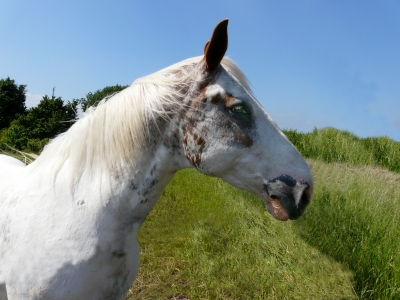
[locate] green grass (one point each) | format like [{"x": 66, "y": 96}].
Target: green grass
[
  {"x": 207, "y": 240},
  {"x": 332, "y": 145},
  {"x": 355, "y": 218}
]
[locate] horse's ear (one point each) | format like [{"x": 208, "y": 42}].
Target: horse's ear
[{"x": 215, "y": 49}]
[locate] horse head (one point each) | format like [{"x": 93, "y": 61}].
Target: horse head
[{"x": 225, "y": 132}]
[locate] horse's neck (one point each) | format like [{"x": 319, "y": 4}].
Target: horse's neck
[
  {"x": 135, "y": 190},
  {"x": 144, "y": 186},
  {"x": 129, "y": 189}
]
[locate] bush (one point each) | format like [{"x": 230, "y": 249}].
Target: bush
[
  {"x": 92, "y": 99},
  {"x": 32, "y": 131},
  {"x": 12, "y": 101}
]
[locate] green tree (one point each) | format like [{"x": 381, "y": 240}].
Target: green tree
[
  {"x": 32, "y": 131},
  {"x": 12, "y": 101},
  {"x": 92, "y": 99}
]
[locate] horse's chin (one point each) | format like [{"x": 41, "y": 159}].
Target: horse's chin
[{"x": 276, "y": 209}]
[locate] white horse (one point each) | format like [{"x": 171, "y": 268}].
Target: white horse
[{"x": 68, "y": 221}]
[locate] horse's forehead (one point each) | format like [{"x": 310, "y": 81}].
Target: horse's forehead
[{"x": 226, "y": 83}]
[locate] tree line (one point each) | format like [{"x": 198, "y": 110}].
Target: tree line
[{"x": 30, "y": 129}]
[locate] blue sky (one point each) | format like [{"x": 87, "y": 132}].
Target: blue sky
[{"x": 310, "y": 63}]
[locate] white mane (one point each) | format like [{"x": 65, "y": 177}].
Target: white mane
[{"x": 113, "y": 133}]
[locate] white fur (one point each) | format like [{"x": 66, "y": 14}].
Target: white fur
[{"x": 68, "y": 221}]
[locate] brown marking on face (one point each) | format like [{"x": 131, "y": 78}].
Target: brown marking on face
[
  {"x": 229, "y": 100},
  {"x": 197, "y": 159},
  {"x": 215, "y": 99},
  {"x": 189, "y": 157},
  {"x": 80, "y": 202},
  {"x": 201, "y": 141},
  {"x": 194, "y": 131},
  {"x": 201, "y": 85},
  {"x": 243, "y": 138},
  {"x": 240, "y": 130},
  {"x": 190, "y": 127},
  {"x": 199, "y": 99}
]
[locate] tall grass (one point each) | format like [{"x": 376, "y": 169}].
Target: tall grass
[
  {"x": 208, "y": 240},
  {"x": 355, "y": 218},
  {"x": 332, "y": 145}
]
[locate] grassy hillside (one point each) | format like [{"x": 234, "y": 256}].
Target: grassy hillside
[
  {"x": 207, "y": 240},
  {"x": 355, "y": 219},
  {"x": 332, "y": 145}
]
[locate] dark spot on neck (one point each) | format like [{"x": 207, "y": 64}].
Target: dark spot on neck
[
  {"x": 118, "y": 254},
  {"x": 153, "y": 170},
  {"x": 133, "y": 186}
]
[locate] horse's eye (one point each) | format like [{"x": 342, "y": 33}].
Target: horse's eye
[{"x": 240, "y": 111}]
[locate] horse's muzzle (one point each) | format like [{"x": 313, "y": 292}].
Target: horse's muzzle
[{"x": 287, "y": 198}]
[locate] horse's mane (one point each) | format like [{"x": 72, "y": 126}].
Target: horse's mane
[{"x": 110, "y": 135}]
